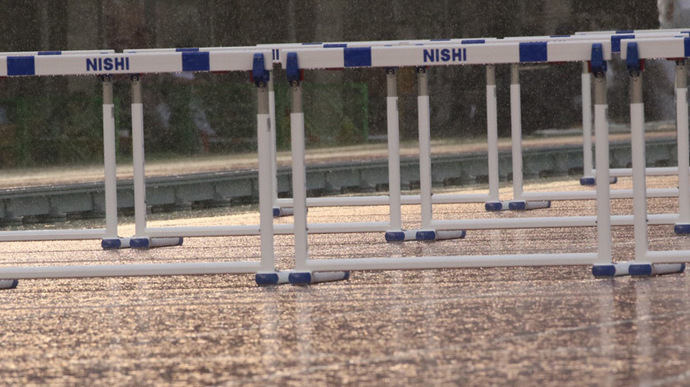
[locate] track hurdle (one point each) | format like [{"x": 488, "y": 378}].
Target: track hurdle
[
  {"x": 414, "y": 57},
  {"x": 617, "y": 40},
  {"x": 648, "y": 262},
  {"x": 254, "y": 61},
  {"x": 29, "y": 63}
]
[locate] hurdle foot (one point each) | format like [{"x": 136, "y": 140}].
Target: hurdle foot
[
  {"x": 147, "y": 243},
  {"x": 521, "y": 205},
  {"x": 588, "y": 180},
  {"x": 649, "y": 269},
  {"x": 433, "y": 235},
  {"x": 272, "y": 278},
  {"x": 611, "y": 270},
  {"x": 283, "y": 211},
  {"x": 115, "y": 243},
  {"x": 682, "y": 229},
  {"x": 307, "y": 277},
  {"x": 497, "y": 206},
  {"x": 401, "y": 236},
  {"x": 8, "y": 284}
]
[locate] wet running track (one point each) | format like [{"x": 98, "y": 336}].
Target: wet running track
[{"x": 507, "y": 326}]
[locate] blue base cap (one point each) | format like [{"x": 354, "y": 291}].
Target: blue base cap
[
  {"x": 395, "y": 236},
  {"x": 11, "y": 285},
  {"x": 682, "y": 229},
  {"x": 266, "y": 278},
  {"x": 347, "y": 275},
  {"x": 276, "y": 212},
  {"x": 298, "y": 278},
  {"x": 593, "y": 181},
  {"x": 493, "y": 206},
  {"x": 682, "y": 268},
  {"x": 588, "y": 181},
  {"x": 604, "y": 270},
  {"x": 139, "y": 243},
  {"x": 426, "y": 235},
  {"x": 517, "y": 206},
  {"x": 640, "y": 269},
  {"x": 111, "y": 244}
]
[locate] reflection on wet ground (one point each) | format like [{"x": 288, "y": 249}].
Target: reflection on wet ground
[{"x": 507, "y": 326}]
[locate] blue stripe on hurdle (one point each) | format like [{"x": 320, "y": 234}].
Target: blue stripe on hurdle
[
  {"x": 473, "y": 41},
  {"x": 533, "y": 52},
  {"x": 686, "y": 42},
  {"x": 616, "y": 41},
  {"x": 21, "y": 65},
  {"x": 357, "y": 56},
  {"x": 50, "y": 53},
  {"x": 334, "y": 45},
  {"x": 196, "y": 61},
  {"x": 187, "y": 49}
]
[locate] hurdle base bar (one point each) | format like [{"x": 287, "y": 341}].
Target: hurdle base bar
[
  {"x": 147, "y": 243},
  {"x": 636, "y": 269},
  {"x": 681, "y": 229},
  {"x": 611, "y": 270},
  {"x": 649, "y": 269},
  {"x": 522, "y": 205},
  {"x": 591, "y": 181},
  {"x": 434, "y": 235},
  {"x": 8, "y": 284},
  {"x": 115, "y": 243},
  {"x": 308, "y": 277},
  {"x": 401, "y": 235},
  {"x": 423, "y": 235},
  {"x": 497, "y": 206},
  {"x": 272, "y": 278},
  {"x": 283, "y": 211}
]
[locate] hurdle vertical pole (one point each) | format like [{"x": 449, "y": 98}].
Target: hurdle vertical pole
[
  {"x": 138, "y": 158},
  {"x": 587, "y": 159},
  {"x": 494, "y": 203},
  {"x": 299, "y": 180},
  {"x": 604, "y": 266},
  {"x": 639, "y": 161},
  {"x": 109, "y": 159},
  {"x": 683, "y": 224},
  {"x": 424, "y": 124},
  {"x": 265, "y": 134},
  {"x": 516, "y": 131},
  {"x": 393, "y": 126}
]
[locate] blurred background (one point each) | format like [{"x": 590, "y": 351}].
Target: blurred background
[{"x": 58, "y": 120}]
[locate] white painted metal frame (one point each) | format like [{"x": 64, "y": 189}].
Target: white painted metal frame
[
  {"x": 135, "y": 64},
  {"x": 415, "y": 56}
]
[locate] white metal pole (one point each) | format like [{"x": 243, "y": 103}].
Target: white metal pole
[
  {"x": 423, "y": 116},
  {"x": 109, "y": 159},
  {"x": 601, "y": 127},
  {"x": 299, "y": 178},
  {"x": 138, "y": 159},
  {"x": 492, "y": 132},
  {"x": 587, "y": 164},
  {"x": 273, "y": 148},
  {"x": 516, "y": 130},
  {"x": 266, "y": 175},
  {"x": 394, "y": 189},
  {"x": 637, "y": 142},
  {"x": 683, "y": 143}
]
